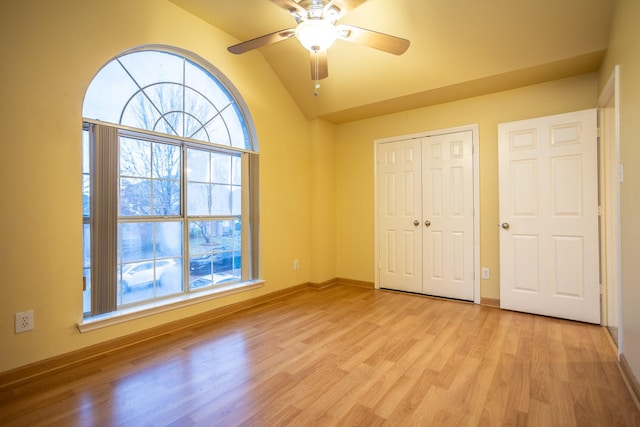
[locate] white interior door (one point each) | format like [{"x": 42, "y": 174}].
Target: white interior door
[
  {"x": 549, "y": 216},
  {"x": 399, "y": 215},
  {"x": 447, "y": 197}
]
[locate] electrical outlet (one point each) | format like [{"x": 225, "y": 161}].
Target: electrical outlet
[
  {"x": 486, "y": 273},
  {"x": 24, "y": 321},
  {"x": 296, "y": 264}
]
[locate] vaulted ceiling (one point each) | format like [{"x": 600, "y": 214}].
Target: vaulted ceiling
[{"x": 459, "y": 49}]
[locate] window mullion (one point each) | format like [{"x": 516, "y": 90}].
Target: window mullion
[{"x": 185, "y": 221}]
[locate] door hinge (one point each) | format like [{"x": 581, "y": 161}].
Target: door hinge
[{"x": 601, "y": 289}]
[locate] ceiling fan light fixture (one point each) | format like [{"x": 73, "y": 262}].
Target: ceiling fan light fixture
[{"x": 316, "y": 34}]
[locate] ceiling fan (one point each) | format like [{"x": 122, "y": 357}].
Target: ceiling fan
[{"x": 317, "y": 29}]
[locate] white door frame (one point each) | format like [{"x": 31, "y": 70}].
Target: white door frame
[
  {"x": 475, "y": 129},
  {"x": 610, "y": 179}
]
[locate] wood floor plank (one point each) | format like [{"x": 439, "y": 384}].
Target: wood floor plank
[{"x": 339, "y": 356}]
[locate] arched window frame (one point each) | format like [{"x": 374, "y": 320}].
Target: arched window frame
[{"x": 102, "y": 161}]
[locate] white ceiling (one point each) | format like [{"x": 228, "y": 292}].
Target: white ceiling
[{"x": 459, "y": 49}]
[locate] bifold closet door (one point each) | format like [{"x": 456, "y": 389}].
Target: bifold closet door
[
  {"x": 425, "y": 215},
  {"x": 447, "y": 200},
  {"x": 399, "y": 207}
]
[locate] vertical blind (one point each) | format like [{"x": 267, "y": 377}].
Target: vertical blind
[{"x": 104, "y": 218}]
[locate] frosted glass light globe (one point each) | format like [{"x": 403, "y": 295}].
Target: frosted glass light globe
[{"x": 316, "y": 34}]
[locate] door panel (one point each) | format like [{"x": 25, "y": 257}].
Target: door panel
[
  {"x": 399, "y": 180},
  {"x": 447, "y": 163},
  {"x": 548, "y": 198}
]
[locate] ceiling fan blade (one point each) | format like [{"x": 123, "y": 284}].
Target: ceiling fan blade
[
  {"x": 374, "y": 39},
  {"x": 261, "y": 41},
  {"x": 291, "y": 7},
  {"x": 319, "y": 67}
]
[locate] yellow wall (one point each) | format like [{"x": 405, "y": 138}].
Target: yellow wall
[
  {"x": 355, "y": 168},
  {"x": 50, "y": 52},
  {"x": 624, "y": 50},
  {"x": 323, "y": 203}
]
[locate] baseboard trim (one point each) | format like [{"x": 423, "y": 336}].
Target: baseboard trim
[
  {"x": 323, "y": 285},
  {"x": 491, "y": 302},
  {"x": 21, "y": 375},
  {"x": 351, "y": 282},
  {"x": 630, "y": 380}
]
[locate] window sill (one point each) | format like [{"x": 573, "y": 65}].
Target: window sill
[{"x": 140, "y": 311}]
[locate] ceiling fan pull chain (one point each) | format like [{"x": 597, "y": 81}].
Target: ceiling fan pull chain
[{"x": 317, "y": 69}]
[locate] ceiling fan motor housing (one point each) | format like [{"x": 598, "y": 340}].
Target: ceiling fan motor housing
[{"x": 317, "y": 9}]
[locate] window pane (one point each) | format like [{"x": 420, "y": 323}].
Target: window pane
[
  {"x": 198, "y": 167},
  {"x": 167, "y": 99},
  {"x": 168, "y": 239},
  {"x": 151, "y": 67},
  {"x": 220, "y": 200},
  {"x": 135, "y": 158},
  {"x": 228, "y": 254},
  {"x": 218, "y": 131},
  {"x": 236, "y": 170},
  {"x": 220, "y": 168},
  {"x": 200, "y": 109},
  {"x": 200, "y": 237},
  {"x": 166, "y": 198},
  {"x": 236, "y": 200},
  {"x": 135, "y": 197},
  {"x": 146, "y": 280},
  {"x": 166, "y": 161},
  {"x": 235, "y": 127},
  {"x": 201, "y": 247},
  {"x": 161, "y": 196},
  {"x": 136, "y": 241},
  {"x": 215, "y": 248},
  {"x": 202, "y": 81},
  {"x": 108, "y": 93},
  {"x": 170, "y": 278},
  {"x": 139, "y": 112},
  {"x": 151, "y": 263},
  {"x": 86, "y": 195},
  {"x": 198, "y": 199}
]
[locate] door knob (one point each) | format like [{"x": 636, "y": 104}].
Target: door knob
[
  {"x": 416, "y": 223},
  {"x": 505, "y": 225},
  {"x": 427, "y": 223}
]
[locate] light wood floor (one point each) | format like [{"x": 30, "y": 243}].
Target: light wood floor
[{"x": 345, "y": 356}]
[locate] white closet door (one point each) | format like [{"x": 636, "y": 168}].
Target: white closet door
[
  {"x": 447, "y": 196},
  {"x": 399, "y": 215},
  {"x": 548, "y": 179}
]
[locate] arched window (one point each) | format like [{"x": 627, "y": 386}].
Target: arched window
[{"x": 169, "y": 182}]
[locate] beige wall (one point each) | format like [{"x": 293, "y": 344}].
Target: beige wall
[
  {"x": 624, "y": 50},
  {"x": 355, "y": 168},
  {"x": 50, "y": 52}
]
